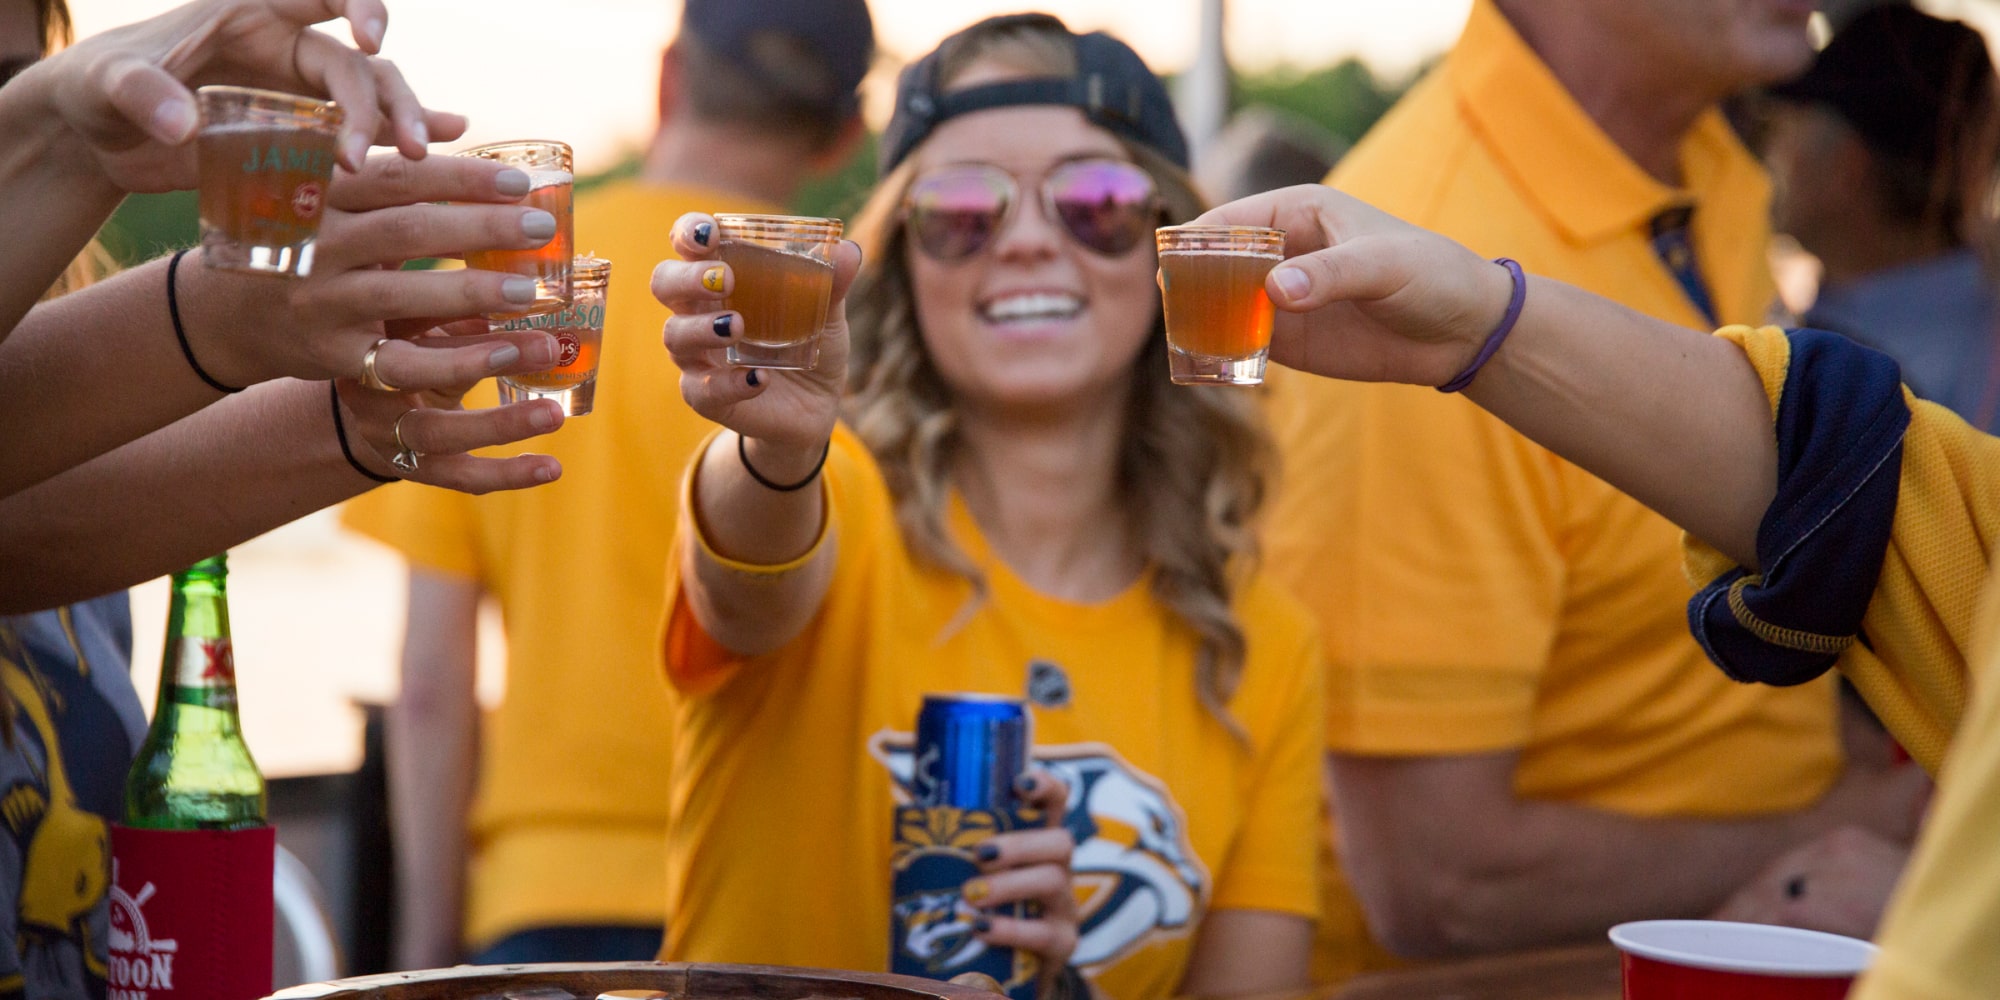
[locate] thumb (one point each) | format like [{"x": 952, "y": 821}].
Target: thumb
[
  {"x": 132, "y": 92},
  {"x": 1346, "y": 272},
  {"x": 846, "y": 264}
]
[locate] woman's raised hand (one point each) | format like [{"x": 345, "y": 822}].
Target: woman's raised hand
[{"x": 787, "y": 408}]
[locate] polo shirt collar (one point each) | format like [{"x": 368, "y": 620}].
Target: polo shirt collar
[{"x": 1567, "y": 167}]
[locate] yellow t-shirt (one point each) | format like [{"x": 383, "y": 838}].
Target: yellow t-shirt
[
  {"x": 570, "y": 808},
  {"x": 1941, "y": 937},
  {"x": 1475, "y": 592},
  {"x": 786, "y": 766}
]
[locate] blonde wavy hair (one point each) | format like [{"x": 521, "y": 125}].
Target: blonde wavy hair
[{"x": 1194, "y": 464}]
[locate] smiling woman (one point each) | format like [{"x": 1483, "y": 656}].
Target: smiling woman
[{"x": 1023, "y": 495}]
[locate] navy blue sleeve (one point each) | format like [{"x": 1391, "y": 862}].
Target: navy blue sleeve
[{"x": 1840, "y": 431}]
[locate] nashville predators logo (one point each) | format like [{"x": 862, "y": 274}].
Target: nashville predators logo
[{"x": 1137, "y": 878}]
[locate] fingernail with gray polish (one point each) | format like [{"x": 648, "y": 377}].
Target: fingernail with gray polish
[
  {"x": 511, "y": 182},
  {"x": 537, "y": 224},
  {"x": 502, "y": 356},
  {"x": 518, "y": 290},
  {"x": 420, "y": 132},
  {"x": 357, "y": 147}
]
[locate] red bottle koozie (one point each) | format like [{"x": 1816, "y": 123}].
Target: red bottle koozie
[{"x": 191, "y": 913}]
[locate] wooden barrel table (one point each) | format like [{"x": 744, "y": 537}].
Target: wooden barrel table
[{"x": 587, "y": 981}]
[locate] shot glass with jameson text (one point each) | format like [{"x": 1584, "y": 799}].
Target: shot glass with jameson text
[
  {"x": 265, "y": 159},
  {"x": 579, "y": 331},
  {"x": 551, "y": 181},
  {"x": 783, "y": 266},
  {"x": 1218, "y": 317}
]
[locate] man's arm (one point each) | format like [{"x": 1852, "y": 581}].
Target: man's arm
[
  {"x": 1249, "y": 952},
  {"x": 1447, "y": 860},
  {"x": 433, "y": 732}
]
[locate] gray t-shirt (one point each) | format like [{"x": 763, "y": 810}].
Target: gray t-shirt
[
  {"x": 77, "y": 723},
  {"x": 1937, "y": 319}
]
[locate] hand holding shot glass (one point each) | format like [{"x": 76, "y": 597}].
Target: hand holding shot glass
[
  {"x": 551, "y": 181},
  {"x": 1218, "y": 316},
  {"x": 266, "y": 160}
]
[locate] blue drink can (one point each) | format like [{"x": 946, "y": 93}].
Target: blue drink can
[{"x": 969, "y": 750}]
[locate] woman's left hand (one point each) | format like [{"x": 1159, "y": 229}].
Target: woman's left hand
[
  {"x": 1030, "y": 866},
  {"x": 440, "y": 433}
]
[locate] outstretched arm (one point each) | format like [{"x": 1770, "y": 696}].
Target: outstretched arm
[{"x": 1675, "y": 418}]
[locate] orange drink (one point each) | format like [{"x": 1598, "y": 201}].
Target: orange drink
[
  {"x": 579, "y": 331},
  {"x": 551, "y": 181},
  {"x": 1218, "y": 317},
  {"x": 783, "y": 265},
  {"x": 265, "y": 160}
]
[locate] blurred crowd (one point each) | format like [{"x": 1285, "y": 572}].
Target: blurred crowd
[{"x": 1668, "y": 605}]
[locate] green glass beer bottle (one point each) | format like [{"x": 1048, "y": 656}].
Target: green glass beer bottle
[{"x": 194, "y": 772}]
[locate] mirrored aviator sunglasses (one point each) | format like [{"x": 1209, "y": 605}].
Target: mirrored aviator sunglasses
[{"x": 1108, "y": 206}]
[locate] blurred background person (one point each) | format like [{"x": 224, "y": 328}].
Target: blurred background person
[
  {"x": 1265, "y": 148},
  {"x": 538, "y": 832},
  {"x": 1871, "y": 152},
  {"x": 998, "y": 490},
  {"x": 1504, "y": 633}
]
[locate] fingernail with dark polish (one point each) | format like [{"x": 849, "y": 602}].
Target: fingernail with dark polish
[
  {"x": 985, "y": 852},
  {"x": 1026, "y": 784},
  {"x": 702, "y": 231},
  {"x": 981, "y": 925},
  {"x": 537, "y": 224},
  {"x": 722, "y": 325},
  {"x": 511, "y": 182},
  {"x": 751, "y": 378}
]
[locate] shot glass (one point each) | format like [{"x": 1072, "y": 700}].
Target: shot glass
[
  {"x": 579, "y": 331},
  {"x": 551, "y": 182},
  {"x": 1218, "y": 317},
  {"x": 784, "y": 281},
  {"x": 265, "y": 160}
]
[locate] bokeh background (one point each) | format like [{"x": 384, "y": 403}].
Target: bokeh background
[{"x": 317, "y": 612}]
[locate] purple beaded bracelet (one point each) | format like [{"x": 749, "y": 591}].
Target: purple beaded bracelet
[{"x": 1500, "y": 332}]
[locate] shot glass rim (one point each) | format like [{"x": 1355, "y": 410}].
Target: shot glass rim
[
  {"x": 589, "y": 267},
  {"x": 768, "y": 226},
  {"x": 1261, "y": 241},
  {"x": 312, "y": 110},
  {"x": 485, "y": 148}
]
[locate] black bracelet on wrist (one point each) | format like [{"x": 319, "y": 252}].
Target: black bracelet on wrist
[
  {"x": 744, "y": 457},
  {"x": 340, "y": 431},
  {"x": 180, "y": 332}
]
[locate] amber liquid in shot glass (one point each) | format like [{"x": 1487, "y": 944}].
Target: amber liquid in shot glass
[
  {"x": 783, "y": 266},
  {"x": 551, "y": 182},
  {"x": 1218, "y": 317},
  {"x": 579, "y": 331},
  {"x": 266, "y": 159}
]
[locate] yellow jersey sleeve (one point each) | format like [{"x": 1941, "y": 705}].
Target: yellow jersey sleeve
[{"x": 433, "y": 528}]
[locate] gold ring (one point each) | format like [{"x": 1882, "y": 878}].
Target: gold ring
[
  {"x": 370, "y": 378},
  {"x": 405, "y": 459}
]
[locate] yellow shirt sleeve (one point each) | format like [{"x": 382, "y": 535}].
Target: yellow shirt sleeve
[
  {"x": 433, "y": 528},
  {"x": 1941, "y": 937},
  {"x": 1912, "y": 669}
]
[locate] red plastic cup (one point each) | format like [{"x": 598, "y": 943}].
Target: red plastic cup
[{"x": 1720, "y": 960}]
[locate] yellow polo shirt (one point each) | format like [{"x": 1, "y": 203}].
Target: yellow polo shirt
[
  {"x": 570, "y": 813},
  {"x": 1475, "y": 592}
]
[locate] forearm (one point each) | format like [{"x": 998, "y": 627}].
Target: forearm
[
  {"x": 51, "y": 194},
  {"x": 746, "y": 522},
  {"x": 1249, "y": 953},
  {"x": 226, "y": 474},
  {"x": 433, "y": 759},
  {"x": 1676, "y": 419},
  {"x": 1507, "y": 872},
  {"x": 91, "y": 371}
]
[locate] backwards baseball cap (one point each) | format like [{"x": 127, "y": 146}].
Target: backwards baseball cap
[
  {"x": 1112, "y": 87},
  {"x": 840, "y": 32},
  {"x": 1900, "y": 77}
]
